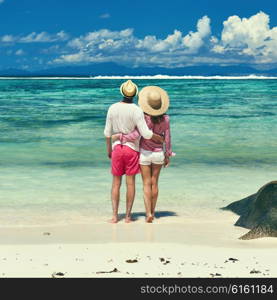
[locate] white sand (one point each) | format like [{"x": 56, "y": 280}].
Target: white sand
[{"x": 170, "y": 247}]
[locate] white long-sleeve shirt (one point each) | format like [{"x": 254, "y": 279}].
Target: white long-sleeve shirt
[{"x": 123, "y": 118}]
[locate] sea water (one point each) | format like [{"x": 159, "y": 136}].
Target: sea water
[{"x": 53, "y": 163}]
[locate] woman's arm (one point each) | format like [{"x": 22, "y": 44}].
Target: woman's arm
[
  {"x": 129, "y": 137},
  {"x": 167, "y": 139}
]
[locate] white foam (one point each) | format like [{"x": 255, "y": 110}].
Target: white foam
[
  {"x": 253, "y": 76},
  {"x": 158, "y": 76}
]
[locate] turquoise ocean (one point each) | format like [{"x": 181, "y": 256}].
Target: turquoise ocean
[{"x": 54, "y": 168}]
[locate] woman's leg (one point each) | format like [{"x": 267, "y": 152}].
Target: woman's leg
[
  {"x": 147, "y": 192},
  {"x": 156, "y": 169}
]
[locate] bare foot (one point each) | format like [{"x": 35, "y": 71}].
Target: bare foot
[
  {"x": 149, "y": 219},
  {"x": 113, "y": 220},
  {"x": 128, "y": 220}
]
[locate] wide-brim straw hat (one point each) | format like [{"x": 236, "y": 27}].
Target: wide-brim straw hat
[
  {"x": 129, "y": 89},
  {"x": 153, "y": 100}
]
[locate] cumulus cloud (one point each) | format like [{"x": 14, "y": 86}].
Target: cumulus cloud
[
  {"x": 124, "y": 46},
  {"x": 249, "y": 37},
  {"x": 242, "y": 40},
  {"x": 195, "y": 40}
]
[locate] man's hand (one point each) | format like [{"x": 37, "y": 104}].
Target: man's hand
[
  {"x": 157, "y": 138},
  {"x": 115, "y": 137},
  {"x": 166, "y": 161}
]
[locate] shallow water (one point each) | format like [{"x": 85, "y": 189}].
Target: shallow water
[{"x": 53, "y": 162}]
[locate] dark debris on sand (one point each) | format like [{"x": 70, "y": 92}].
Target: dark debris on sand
[
  {"x": 57, "y": 274},
  {"x": 105, "y": 272},
  {"x": 255, "y": 271},
  {"x": 233, "y": 260},
  {"x": 131, "y": 261},
  {"x": 164, "y": 261},
  {"x": 215, "y": 275}
]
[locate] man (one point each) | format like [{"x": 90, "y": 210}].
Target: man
[{"x": 123, "y": 117}]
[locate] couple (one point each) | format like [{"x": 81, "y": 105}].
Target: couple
[{"x": 138, "y": 140}]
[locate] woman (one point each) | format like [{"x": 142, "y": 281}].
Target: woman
[{"x": 154, "y": 101}]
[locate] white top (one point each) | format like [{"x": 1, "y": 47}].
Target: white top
[{"x": 123, "y": 118}]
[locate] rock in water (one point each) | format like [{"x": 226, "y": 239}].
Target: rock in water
[{"x": 258, "y": 212}]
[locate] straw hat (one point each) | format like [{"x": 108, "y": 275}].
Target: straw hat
[
  {"x": 128, "y": 89},
  {"x": 153, "y": 100}
]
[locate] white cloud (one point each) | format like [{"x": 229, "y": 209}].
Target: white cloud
[
  {"x": 8, "y": 38},
  {"x": 123, "y": 46},
  {"x": 249, "y": 37},
  {"x": 42, "y": 37},
  {"x": 19, "y": 52},
  {"x": 170, "y": 43},
  {"x": 218, "y": 49},
  {"x": 242, "y": 40},
  {"x": 190, "y": 43},
  {"x": 195, "y": 40},
  {"x": 105, "y": 16}
]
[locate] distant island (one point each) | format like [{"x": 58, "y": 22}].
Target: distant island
[{"x": 113, "y": 69}]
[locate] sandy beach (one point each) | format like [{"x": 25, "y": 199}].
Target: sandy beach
[{"x": 170, "y": 247}]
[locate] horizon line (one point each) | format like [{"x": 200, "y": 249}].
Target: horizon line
[{"x": 158, "y": 76}]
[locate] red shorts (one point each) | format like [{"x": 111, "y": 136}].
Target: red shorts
[{"x": 125, "y": 160}]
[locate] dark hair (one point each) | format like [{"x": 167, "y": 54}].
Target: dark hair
[
  {"x": 127, "y": 99},
  {"x": 157, "y": 119}
]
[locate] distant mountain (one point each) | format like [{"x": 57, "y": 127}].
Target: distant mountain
[
  {"x": 109, "y": 69},
  {"x": 14, "y": 72}
]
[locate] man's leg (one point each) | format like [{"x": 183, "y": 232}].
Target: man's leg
[
  {"x": 130, "y": 195},
  {"x": 115, "y": 195}
]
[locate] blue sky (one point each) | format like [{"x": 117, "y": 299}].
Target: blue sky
[{"x": 45, "y": 34}]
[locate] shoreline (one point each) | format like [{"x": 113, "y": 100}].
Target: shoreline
[
  {"x": 216, "y": 230},
  {"x": 187, "y": 248}
]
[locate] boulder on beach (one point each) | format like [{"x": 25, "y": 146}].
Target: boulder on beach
[{"x": 258, "y": 212}]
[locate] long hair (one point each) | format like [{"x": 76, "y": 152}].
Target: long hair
[{"x": 157, "y": 119}]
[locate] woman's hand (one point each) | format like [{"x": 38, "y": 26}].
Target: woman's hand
[
  {"x": 115, "y": 137},
  {"x": 157, "y": 138},
  {"x": 166, "y": 161}
]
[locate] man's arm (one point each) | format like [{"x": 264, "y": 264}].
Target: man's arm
[
  {"x": 142, "y": 126},
  {"x": 108, "y": 134},
  {"x": 108, "y": 127},
  {"x": 145, "y": 131},
  {"x": 129, "y": 137},
  {"x": 133, "y": 135},
  {"x": 109, "y": 147}
]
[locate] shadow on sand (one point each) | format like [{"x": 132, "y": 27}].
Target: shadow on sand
[{"x": 158, "y": 215}]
